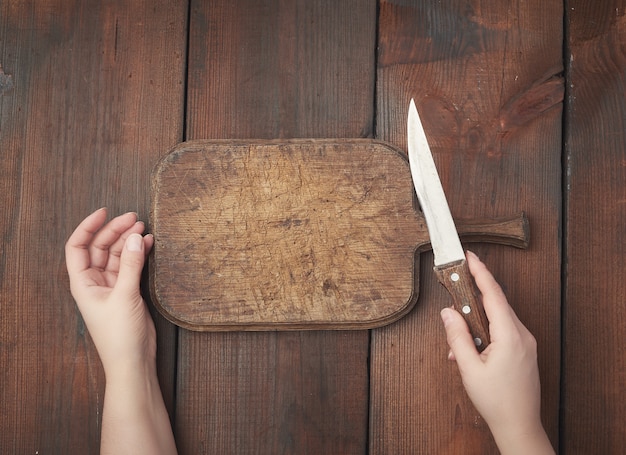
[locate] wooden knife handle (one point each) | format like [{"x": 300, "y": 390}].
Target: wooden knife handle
[{"x": 459, "y": 282}]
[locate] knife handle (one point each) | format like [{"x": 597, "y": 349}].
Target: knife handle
[{"x": 459, "y": 282}]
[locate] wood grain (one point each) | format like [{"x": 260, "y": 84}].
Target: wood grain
[
  {"x": 488, "y": 86},
  {"x": 277, "y": 70},
  {"x": 92, "y": 94},
  {"x": 258, "y": 235},
  {"x": 90, "y": 110},
  {"x": 290, "y": 234},
  {"x": 594, "y": 396}
]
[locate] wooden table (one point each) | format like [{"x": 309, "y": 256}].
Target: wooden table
[{"x": 524, "y": 102}]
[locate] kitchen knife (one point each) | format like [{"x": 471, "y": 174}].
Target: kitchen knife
[{"x": 450, "y": 263}]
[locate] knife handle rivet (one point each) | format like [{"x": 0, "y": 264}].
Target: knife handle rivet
[
  {"x": 455, "y": 277},
  {"x": 466, "y": 309},
  {"x": 478, "y": 341}
]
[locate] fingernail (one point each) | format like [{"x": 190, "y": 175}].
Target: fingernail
[
  {"x": 445, "y": 316},
  {"x": 450, "y": 355},
  {"x": 472, "y": 254},
  {"x": 134, "y": 242}
]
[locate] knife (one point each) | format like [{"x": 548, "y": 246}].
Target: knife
[{"x": 450, "y": 263}]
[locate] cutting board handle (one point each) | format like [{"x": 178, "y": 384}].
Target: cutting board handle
[{"x": 512, "y": 231}]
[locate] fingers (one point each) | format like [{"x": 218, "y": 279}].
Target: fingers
[
  {"x": 485, "y": 281},
  {"x": 77, "y": 246},
  {"x": 93, "y": 246},
  {"x": 107, "y": 241},
  {"x": 131, "y": 263},
  {"x": 148, "y": 243},
  {"x": 496, "y": 307},
  {"x": 462, "y": 346},
  {"x": 494, "y": 301},
  {"x": 112, "y": 260}
]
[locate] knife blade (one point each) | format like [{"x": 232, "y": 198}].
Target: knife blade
[{"x": 450, "y": 263}]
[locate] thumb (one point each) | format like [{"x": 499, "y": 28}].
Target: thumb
[
  {"x": 132, "y": 260},
  {"x": 459, "y": 338}
]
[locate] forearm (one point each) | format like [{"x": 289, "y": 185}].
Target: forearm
[
  {"x": 523, "y": 441},
  {"x": 135, "y": 419}
]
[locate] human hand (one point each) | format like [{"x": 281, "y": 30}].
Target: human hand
[
  {"x": 503, "y": 380},
  {"x": 104, "y": 265}
]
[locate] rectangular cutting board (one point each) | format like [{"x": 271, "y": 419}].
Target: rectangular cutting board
[{"x": 285, "y": 235}]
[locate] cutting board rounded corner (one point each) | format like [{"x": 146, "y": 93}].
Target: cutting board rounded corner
[
  {"x": 188, "y": 323},
  {"x": 261, "y": 326}
]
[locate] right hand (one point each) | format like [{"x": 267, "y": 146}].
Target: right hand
[{"x": 503, "y": 380}]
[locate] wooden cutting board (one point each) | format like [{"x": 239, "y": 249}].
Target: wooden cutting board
[{"x": 289, "y": 235}]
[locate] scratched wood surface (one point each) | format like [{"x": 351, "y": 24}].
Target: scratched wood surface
[
  {"x": 301, "y": 234},
  {"x": 277, "y": 235},
  {"x": 487, "y": 82},
  {"x": 92, "y": 94},
  {"x": 594, "y": 368},
  {"x": 277, "y": 70}
]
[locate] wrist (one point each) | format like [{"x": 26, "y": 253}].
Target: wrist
[
  {"x": 133, "y": 391},
  {"x": 135, "y": 419},
  {"x": 140, "y": 373}
]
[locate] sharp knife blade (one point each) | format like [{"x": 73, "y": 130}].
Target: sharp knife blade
[
  {"x": 443, "y": 235},
  {"x": 450, "y": 264}
]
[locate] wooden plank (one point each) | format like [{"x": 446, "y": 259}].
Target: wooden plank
[
  {"x": 594, "y": 397},
  {"x": 265, "y": 69},
  {"x": 487, "y": 84},
  {"x": 91, "y": 108}
]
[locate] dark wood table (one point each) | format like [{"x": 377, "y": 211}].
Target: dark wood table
[{"x": 524, "y": 104}]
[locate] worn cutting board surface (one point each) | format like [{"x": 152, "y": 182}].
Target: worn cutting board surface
[{"x": 302, "y": 234}]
